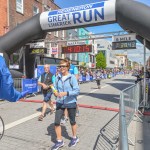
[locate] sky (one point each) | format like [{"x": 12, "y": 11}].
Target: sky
[
  {"x": 99, "y": 29},
  {"x": 106, "y": 28}
]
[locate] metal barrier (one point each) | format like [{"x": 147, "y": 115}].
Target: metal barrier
[
  {"x": 18, "y": 84},
  {"x": 129, "y": 103},
  {"x": 144, "y": 94},
  {"x": 21, "y": 84}
]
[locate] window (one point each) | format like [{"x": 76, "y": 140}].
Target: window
[
  {"x": 70, "y": 36},
  {"x": 62, "y": 34},
  {"x": 47, "y": 8},
  {"x": 54, "y": 44},
  {"x": 19, "y": 6},
  {"x": 56, "y": 33},
  {"x": 35, "y": 10}
]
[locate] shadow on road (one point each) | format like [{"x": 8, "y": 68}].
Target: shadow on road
[
  {"x": 108, "y": 137},
  {"x": 51, "y": 132},
  {"x": 126, "y": 80}
]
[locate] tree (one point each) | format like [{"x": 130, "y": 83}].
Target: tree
[{"x": 100, "y": 60}]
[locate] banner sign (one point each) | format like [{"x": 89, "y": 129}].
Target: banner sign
[
  {"x": 76, "y": 43},
  {"x": 88, "y": 14},
  {"x": 38, "y": 50},
  {"x": 37, "y": 45},
  {"x": 30, "y": 85},
  {"x": 124, "y": 45},
  {"x": 127, "y": 41},
  {"x": 125, "y": 37},
  {"x": 54, "y": 50},
  {"x": 40, "y": 70}
]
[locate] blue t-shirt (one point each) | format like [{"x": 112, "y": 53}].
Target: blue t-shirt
[{"x": 73, "y": 69}]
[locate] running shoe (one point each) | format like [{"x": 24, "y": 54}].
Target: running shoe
[
  {"x": 58, "y": 145},
  {"x": 73, "y": 142}
]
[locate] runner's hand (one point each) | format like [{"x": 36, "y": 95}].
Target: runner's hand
[
  {"x": 62, "y": 94},
  {"x": 44, "y": 86}
]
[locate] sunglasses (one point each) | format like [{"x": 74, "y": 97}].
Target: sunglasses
[{"x": 62, "y": 66}]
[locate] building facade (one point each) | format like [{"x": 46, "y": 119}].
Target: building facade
[
  {"x": 123, "y": 60},
  {"x": 15, "y": 12},
  {"x": 104, "y": 46}
]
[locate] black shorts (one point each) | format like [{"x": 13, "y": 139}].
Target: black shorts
[{"x": 60, "y": 112}]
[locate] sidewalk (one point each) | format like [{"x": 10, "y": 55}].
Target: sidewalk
[{"x": 143, "y": 134}]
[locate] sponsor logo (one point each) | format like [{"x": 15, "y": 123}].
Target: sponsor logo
[{"x": 76, "y": 15}]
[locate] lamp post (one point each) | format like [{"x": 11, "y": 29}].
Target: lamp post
[{"x": 140, "y": 66}]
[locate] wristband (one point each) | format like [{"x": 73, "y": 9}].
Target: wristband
[{"x": 67, "y": 93}]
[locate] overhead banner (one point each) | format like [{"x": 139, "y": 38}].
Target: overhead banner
[{"x": 100, "y": 12}]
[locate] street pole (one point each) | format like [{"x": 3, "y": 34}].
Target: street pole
[
  {"x": 144, "y": 91},
  {"x": 24, "y": 67}
]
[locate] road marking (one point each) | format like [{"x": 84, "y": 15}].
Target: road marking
[
  {"x": 20, "y": 121},
  {"x": 15, "y": 123}
]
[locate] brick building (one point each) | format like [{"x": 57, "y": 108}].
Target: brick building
[
  {"x": 3, "y": 17},
  {"x": 14, "y": 12}
]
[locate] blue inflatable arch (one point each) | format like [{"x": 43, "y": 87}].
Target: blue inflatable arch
[{"x": 131, "y": 15}]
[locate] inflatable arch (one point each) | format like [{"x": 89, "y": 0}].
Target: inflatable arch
[{"x": 131, "y": 15}]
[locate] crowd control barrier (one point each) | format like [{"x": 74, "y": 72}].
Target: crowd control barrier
[
  {"x": 18, "y": 84},
  {"x": 30, "y": 85},
  {"x": 22, "y": 85},
  {"x": 129, "y": 103},
  {"x": 88, "y": 78}
]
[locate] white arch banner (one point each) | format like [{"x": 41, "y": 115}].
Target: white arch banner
[{"x": 88, "y": 14}]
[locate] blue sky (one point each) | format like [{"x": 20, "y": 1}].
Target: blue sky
[
  {"x": 96, "y": 29},
  {"x": 132, "y": 54}
]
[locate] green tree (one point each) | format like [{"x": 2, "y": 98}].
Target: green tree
[{"x": 100, "y": 60}]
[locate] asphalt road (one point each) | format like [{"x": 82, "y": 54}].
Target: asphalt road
[{"x": 96, "y": 127}]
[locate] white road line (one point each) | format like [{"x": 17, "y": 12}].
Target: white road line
[{"x": 15, "y": 123}]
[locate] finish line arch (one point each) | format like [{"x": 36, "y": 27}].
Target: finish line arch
[{"x": 125, "y": 13}]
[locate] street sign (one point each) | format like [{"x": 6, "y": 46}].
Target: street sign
[
  {"x": 76, "y": 43},
  {"x": 124, "y": 45},
  {"x": 127, "y": 41},
  {"x": 125, "y": 37},
  {"x": 38, "y": 50},
  {"x": 37, "y": 45}
]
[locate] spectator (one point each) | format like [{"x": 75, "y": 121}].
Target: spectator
[{"x": 67, "y": 86}]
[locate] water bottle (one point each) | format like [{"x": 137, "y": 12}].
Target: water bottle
[{"x": 53, "y": 89}]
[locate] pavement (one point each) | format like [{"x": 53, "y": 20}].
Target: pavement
[{"x": 97, "y": 125}]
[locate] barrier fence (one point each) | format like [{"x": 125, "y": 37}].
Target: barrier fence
[
  {"x": 129, "y": 103},
  {"x": 18, "y": 84},
  {"x": 88, "y": 78},
  {"x": 31, "y": 85}
]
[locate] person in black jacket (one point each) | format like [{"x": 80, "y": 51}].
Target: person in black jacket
[{"x": 45, "y": 81}]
